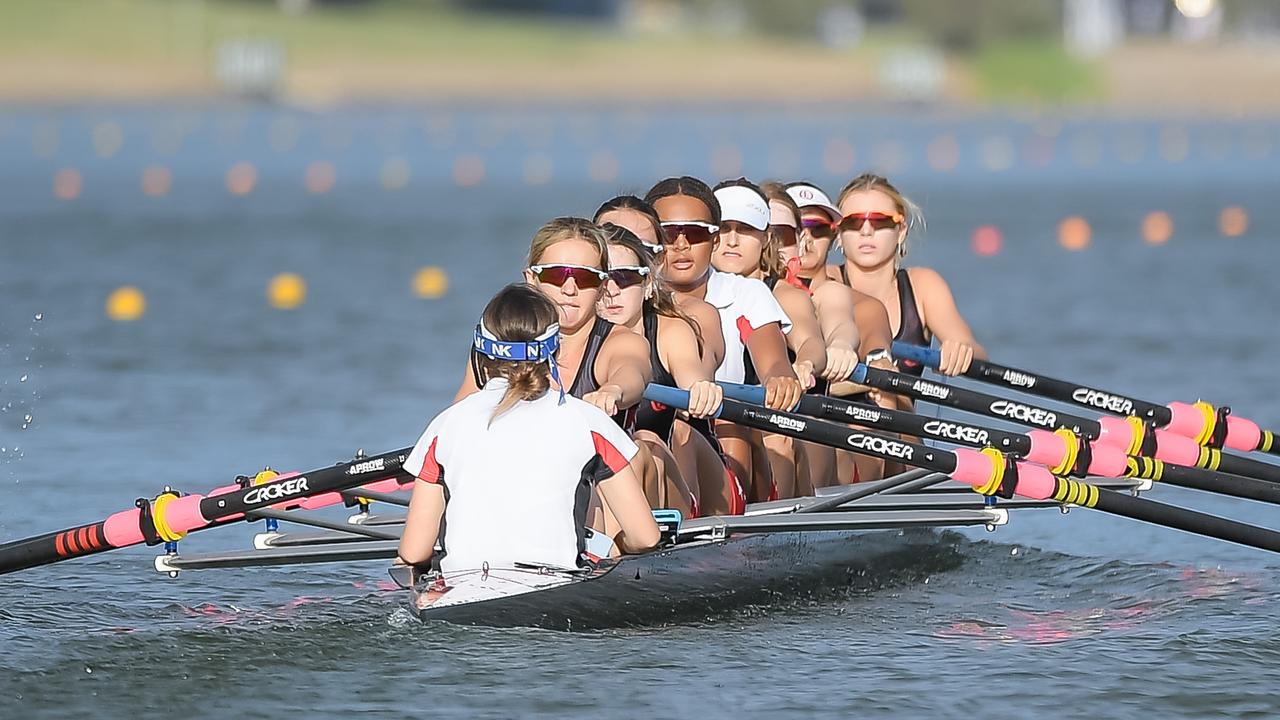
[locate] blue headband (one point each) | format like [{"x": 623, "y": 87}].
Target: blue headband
[{"x": 540, "y": 349}]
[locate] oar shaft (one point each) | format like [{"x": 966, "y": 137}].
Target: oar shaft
[
  {"x": 151, "y": 521},
  {"x": 1200, "y": 421},
  {"x": 975, "y": 402},
  {"x": 1188, "y": 520},
  {"x": 1003, "y": 477}
]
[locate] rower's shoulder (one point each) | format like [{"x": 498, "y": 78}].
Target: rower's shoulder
[
  {"x": 623, "y": 340},
  {"x": 926, "y": 280}
]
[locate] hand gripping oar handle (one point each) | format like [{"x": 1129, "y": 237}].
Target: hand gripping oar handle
[
  {"x": 989, "y": 471},
  {"x": 1133, "y": 438},
  {"x": 1207, "y": 425},
  {"x": 1063, "y": 452},
  {"x": 170, "y": 516}
]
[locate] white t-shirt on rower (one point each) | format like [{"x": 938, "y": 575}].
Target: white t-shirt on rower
[
  {"x": 516, "y": 489},
  {"x": 744, "y": 304}
]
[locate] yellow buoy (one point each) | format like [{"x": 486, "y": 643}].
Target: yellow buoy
[
  {"x": 286, "y": 291},
  {"x": 431, "y": 282},
  {"x": 126, "y": 304}
]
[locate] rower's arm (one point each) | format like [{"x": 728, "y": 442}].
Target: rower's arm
[
  {"x": 708, "y": 319},
  {"x": 625, "y": 365},
  {"x": 626, "y": 500},
  {"x": 805, "y": 338},
  {"x": 768, "y": 348},
  {"x": 422, "y": 523},
  {"x": 938, "y": 310},
  {"x": 873, "y": 324},
  {"x": 834, "y": 306},
  {"x": 678, "y": 351}
]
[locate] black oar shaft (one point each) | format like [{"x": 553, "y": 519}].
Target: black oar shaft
[
  {"x": 954, "y": 431},
  {"x": 1064, "y": 490},
  {"x": 976, "y": 402},
  {"x": 1067, "y": 392},
  {"x": 134, "y": 527}
]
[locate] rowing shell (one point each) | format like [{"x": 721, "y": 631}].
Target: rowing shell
[{"x": 690, "y": 581}]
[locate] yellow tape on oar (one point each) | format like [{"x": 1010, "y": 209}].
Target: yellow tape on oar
[
  {"x": 1268, "y": 441},
  {"x": 267, "y": 475},
  {"x": 1209, "y": 424},
  {"x": 158, "y": 507},
  {"x": 1074, "y": 492},
  {"x": 1138, "y": 435},
  {"x": 1210, "y": 458},
  {"x": 1073, "y": 451},
  {"x": 1145, "y": 468},
  {"x": 997, "y": 471}
]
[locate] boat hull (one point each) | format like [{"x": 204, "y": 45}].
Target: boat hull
[{"x": 691, "y": 581}]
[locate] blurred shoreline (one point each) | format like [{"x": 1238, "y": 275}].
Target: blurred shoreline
[{"x": 141, "y": 51}]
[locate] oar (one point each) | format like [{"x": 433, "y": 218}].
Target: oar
[
  {"x": 1063, "y": 452},
  {"x": 169, "y": 516},
  {"x": 1157, "y": 444},
  {"x": 989, "y": 471},
  {"x": 1202, "y": 422}
]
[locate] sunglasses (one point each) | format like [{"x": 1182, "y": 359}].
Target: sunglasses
[
  {"x": 820, "y": 229},
  {"x": 786, "y": 234},
  {"x": 625, "y": 276},
  {"x": 694, "y": 232},
  {"x": 878, "y": 220},
  {"x": 587, "y": 278}
]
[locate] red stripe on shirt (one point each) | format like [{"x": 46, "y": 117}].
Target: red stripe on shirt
[
  {"x": 430, "y": 471},
  {"x": 744, "y": 328},
  {"x": 610, "y": 454}
]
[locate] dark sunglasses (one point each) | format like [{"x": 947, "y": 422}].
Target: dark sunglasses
[
  {"x": 587, "y": 278},
  {"x": 787, "y": 235},
  {"x": 820, "y": 229},
  {"x": 695, "y": 233},
  {"x": 878, "y": 220},
  {"x": 625, "y": 276}
]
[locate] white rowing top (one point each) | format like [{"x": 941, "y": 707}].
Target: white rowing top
[
  {"x": 516, "y": 489},
  {"x": 745, "y": 304}
]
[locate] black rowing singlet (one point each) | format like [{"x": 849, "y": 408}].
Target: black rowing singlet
[
  {"x": 910, "y": 327},
  {"x": 656, "y": 417},
  {"x": 585, "y": 381}
]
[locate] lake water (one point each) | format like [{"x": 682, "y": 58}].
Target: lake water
[{"x": 1080, "y": 616}]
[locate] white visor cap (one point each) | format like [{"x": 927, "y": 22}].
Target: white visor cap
[
  {"x": 807, "y": 195},
  {"x": 743, "y": 205}
]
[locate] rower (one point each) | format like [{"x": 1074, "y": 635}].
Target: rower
[
  {"x": 693, "y": 441},
  {"x": 638, "y": 300},
  {"x": 509, "y": 470},
  {"x": 749, "y": 316},
  {"x": 748, "y": 248},
  {"x": 818, "y": 219},
  {"x": 832, "y": 303},
  {"x": 873, "y": 230}
]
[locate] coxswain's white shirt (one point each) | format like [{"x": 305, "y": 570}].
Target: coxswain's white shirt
[
  {"x": 745, "y": 304},
  {"x": 516, "y": 490}
]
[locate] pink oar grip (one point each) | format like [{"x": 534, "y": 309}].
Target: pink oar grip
[
  {"x": 1177, "y": 449},
  {"x": 121, "y": 529},
  {"x": 1108, "y": 461},
  {"x": 972, "y": 467},
  {"x": 1242, "y": 434},
  {"x": 1048, "y": 449},
  {"x": 183, "y": 515},
  {"x": 1116, "y": 432},
  {"x": 1185, "y": 419},
  {"x": 1035, "y": 482}
]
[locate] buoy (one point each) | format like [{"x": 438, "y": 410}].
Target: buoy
[
  {"x": 430, "y": 282},
  {"x": 286, "y": 291},
  {"x": 126, "y": 304}
]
